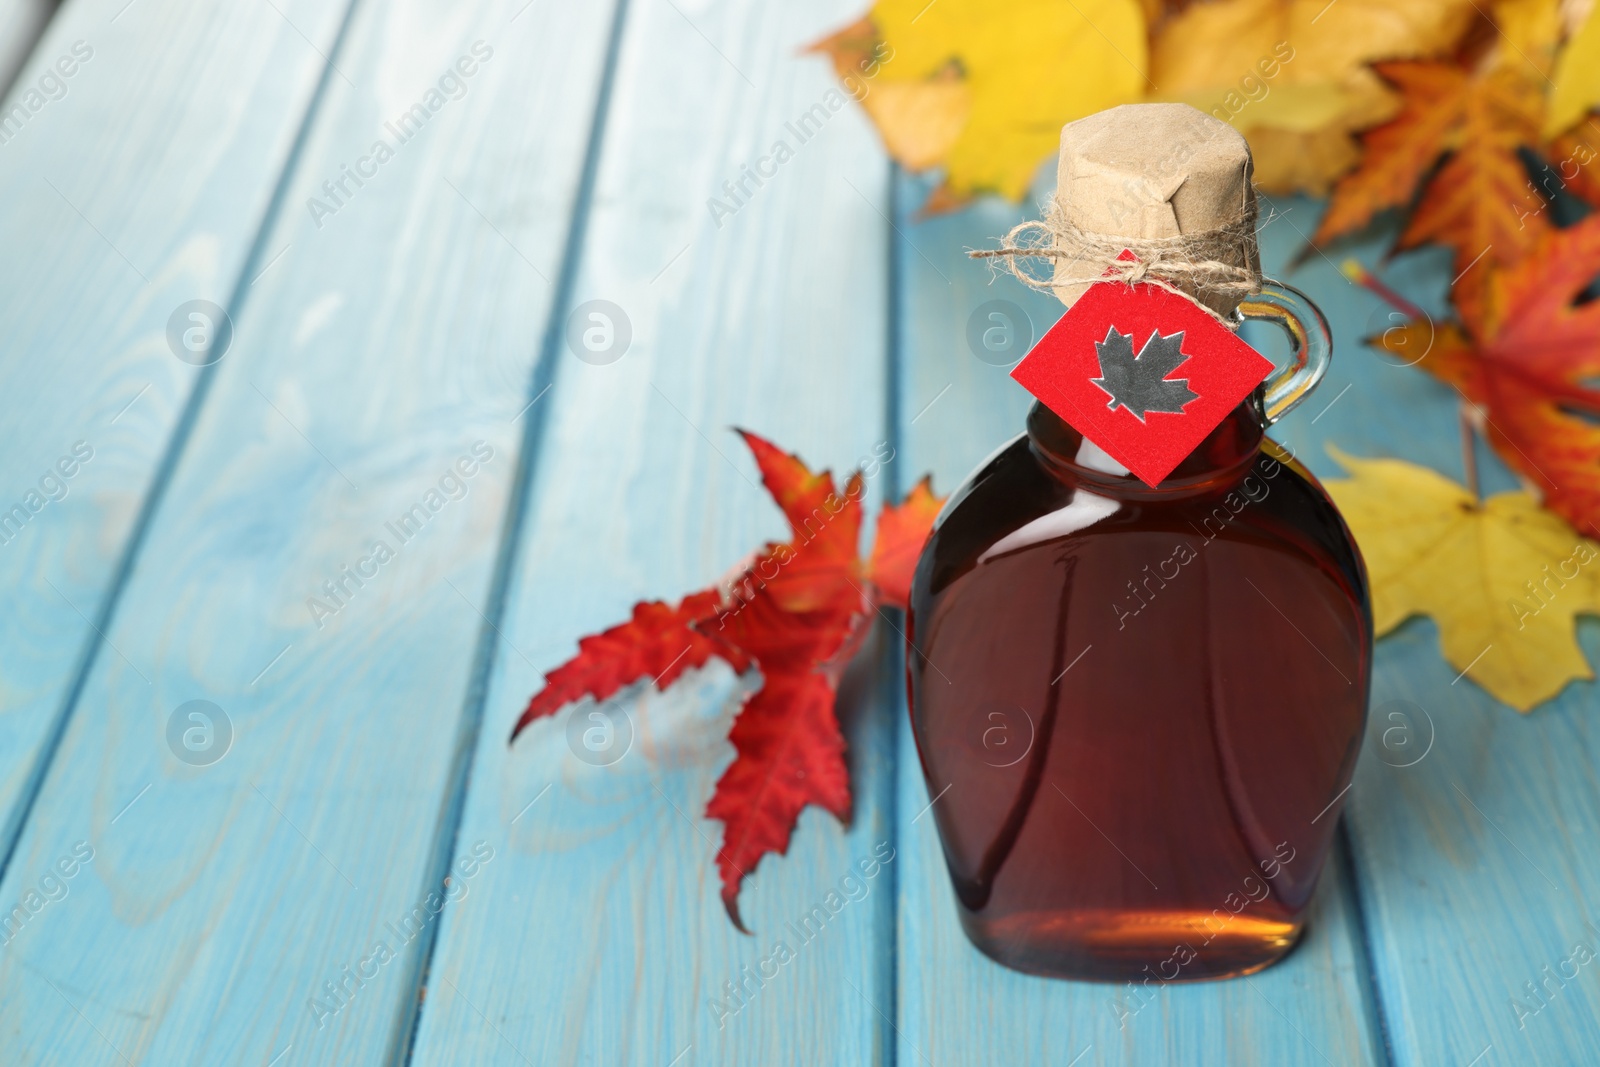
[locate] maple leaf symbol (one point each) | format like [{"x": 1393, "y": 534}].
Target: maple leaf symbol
[{"x": 1139, "y": 383}]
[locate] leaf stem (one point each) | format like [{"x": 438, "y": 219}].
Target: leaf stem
[
  {"x": 1469, "y": 455},
  {"x": 1359, "y": 275}
]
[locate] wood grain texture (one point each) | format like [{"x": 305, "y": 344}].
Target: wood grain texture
[
  {"x": 596, "y": 935},
  {"x": 394, "y": 328},
  {"x": 1474, "y": 827},
  {"x": 375, "y": 351},
  {"x": 133, "y": 185},
  {"x": 956, "y": 1005},
  {"x": 21, "y": 23}
]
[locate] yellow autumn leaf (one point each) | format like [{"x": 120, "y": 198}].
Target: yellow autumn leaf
[
  {"x": 984, "y": 90},
  {"x": 1220, "y": 42},
  {"x": 1287, "y": 161},
  {"x": 1529, "y": 31},
  {"x": 919, "y": 123},
  {"x": 1503, "y": 579},
  {"x": 1576, "y": 77},
  {"x": 1292, "y": 75},
  {"x": 918, "y": 120}
]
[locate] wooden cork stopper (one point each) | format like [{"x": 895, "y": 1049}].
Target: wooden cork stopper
[{"x": 1154, "y": 171}]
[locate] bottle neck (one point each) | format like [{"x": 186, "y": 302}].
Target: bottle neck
[{"x": 1218, "y": 462}]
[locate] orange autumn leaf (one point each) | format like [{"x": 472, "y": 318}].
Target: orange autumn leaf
[
  {"x": 1398, "y": 153},
  {"x": 1526, "y": 366},
  {"x": 1572, "y": 155},
  {"x": 1479, "y": 201},
  {"x": 797, "y": 611},
  {"x": 902, "y": 531}
]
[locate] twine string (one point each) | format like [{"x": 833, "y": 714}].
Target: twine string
[{"x": 1191, "y": 264}]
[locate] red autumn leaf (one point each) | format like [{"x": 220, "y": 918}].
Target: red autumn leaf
[
  {"x": 902, "y": 530},
  {"x": 792, "y": 485},
  {"x": 820, "y": 568},
  {"x": 1526, "y": 365},
  {"x": 809, "y": 586},
  {"x": 790, "y": 754},
  {"x": 658, "y": 642},
  {"x": 798, "y": 611},
  {"x": 757, "y": 618},
  {"x": 795, "y": 612}
]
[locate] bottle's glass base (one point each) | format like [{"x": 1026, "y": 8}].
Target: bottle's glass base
[{"x": 1131, "y": 946}]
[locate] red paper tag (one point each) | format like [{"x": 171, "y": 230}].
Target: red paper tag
[{"x": 1142, "y": 372}]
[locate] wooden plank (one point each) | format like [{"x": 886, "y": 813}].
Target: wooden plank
[
  {"x": 596, "y": 936},
  {"x": 956, "y": 1005},
  {"x": 1473, "y": 827},
  {"x": 376, "y": 351},
  {"x": 138, "y": 153},
  {"x": 21, "y": 23}
]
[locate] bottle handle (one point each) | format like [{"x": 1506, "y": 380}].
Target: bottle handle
[{"x": 1307, "y": 329}]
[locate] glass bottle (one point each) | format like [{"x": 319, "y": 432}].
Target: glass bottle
[{"x": 1139, "y": 708}]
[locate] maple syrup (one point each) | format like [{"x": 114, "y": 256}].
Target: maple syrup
[{"x": 1138, "y": 708}]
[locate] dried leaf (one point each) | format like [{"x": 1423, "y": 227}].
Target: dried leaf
[
  {"x": 798, "y": 611},
  {"x": 792, "y": 619},
  {"x": 1479, "y": 202},
  {"x": 1397, "y": 154},
  {"x": 1527, "y": 33},
  {"x": 1573, "y": 155},
  {"x": 902, "y": 531},
  {"x": 1292, "y": 74},
  {"x": 1576, "y": 77},
  {"x": 1527, "y": 364},
  {"x": 790, "y": 754},
  {"x": 1221, "y": 41},
  {"x": 1287, "y": 161},
  {"x": 1503, "y": 579},
  {"x": 819, "y": 569},
  {"x": 658, "y": 642},
  {"x": 918, "y": 121},
  {"x": 985, "y": 92}
]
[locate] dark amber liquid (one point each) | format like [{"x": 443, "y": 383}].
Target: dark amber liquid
[{"x": 1138, "y": 708}]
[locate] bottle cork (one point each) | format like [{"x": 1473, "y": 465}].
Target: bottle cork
[{"x": 1153, "y": 171}]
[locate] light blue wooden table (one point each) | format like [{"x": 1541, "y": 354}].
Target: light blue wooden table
[{"x": 391, "y": 333}]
